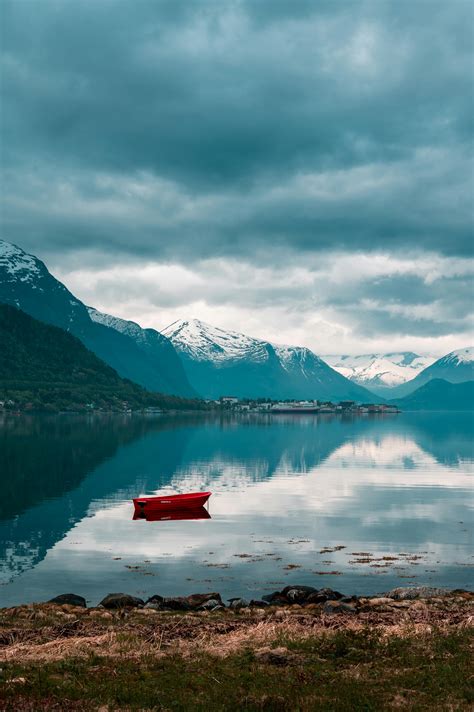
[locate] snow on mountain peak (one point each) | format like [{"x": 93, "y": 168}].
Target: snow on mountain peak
[
  {"x": 383, "y": 370},
  {"x": 16, "y": 263},
  {"x": 461, "y": 356},
  {"x": 204, "y": 342}
]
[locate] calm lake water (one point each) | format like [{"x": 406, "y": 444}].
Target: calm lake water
[{"x": 296, "y": 499}]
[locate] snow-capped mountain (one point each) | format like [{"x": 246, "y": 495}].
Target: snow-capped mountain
[
  {"x": 379, "y": 372},
  {"x": 455, "y": 367},
  {"x": 25, "y": 282},
  {"x": 220, "y": 362}
]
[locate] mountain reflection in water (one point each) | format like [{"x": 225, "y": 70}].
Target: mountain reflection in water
[{"x": 285, "y": 490}]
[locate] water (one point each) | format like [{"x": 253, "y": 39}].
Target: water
[{"x": 285, "y": 489}]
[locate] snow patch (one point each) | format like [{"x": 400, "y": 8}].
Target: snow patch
[{"x": 17, "y": 263}]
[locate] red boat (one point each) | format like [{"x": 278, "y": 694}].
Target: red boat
[{"x": 193, "y": 500}]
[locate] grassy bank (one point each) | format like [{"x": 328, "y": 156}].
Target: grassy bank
[{"x": 415, "y": 656}]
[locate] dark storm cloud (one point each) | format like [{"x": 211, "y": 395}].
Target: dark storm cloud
[{"x": 200, "y": 128}]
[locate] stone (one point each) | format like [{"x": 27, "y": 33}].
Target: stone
[
  {"x": 298, "y": 594},
  {"x": 210, "y": 605},
  {"x": 177, "y": 603},
  {"x": 153, "y": 606},
  {"x": 69, "y": 599},
  {"x": 121, "y": 600},
  {"x": 324, "y": 594},
  {"x": 381, "y": 601},
  {"x": 237, "y": 603},
  {"x": 338, "y": 607},
  {"x": 196, "y": 600},
  {"x": 155, "y": 600},
  {"x": 257, "y": 603},
  {"x": 410, "y": 594}
]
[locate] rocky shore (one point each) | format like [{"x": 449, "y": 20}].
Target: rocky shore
[
  {"x": 313, "y": 648},
  {"x": 326, "y": 600}
]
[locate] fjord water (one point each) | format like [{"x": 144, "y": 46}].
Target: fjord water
[{"x": 360, "y": 504}]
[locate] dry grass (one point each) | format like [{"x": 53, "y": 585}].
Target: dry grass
[{"x": 46, "y": 632}]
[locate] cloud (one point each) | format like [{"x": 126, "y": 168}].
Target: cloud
[
  {"x": 329, "y": 304},
  {"x": 284, "y": 145}
]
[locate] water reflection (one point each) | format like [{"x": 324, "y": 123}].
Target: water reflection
[
  {"x": 177, "y": 515},
  {"x": 285, "y": 490}
]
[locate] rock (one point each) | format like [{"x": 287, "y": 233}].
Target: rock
[
  {"x": 196, "y": 600},
  {"x": 218, "y": 608},
  {"x": 121, "y": 600},
  {"x": 274, "y": 656},
  {"x": 409, "y": 594},
  {"x": 177, "y": 603},
  {"x": 154, "y": 606},
  {"x": 69, "y": 599},
  {"x": 298, "y": 594},
  {"x": 211, "y": 605},
  {"x": 338, "y": 607},
  {"x": 382, "y": 601},
  {"x": 237, "y": 603},
  {"x": 256, "y": 603},
  {"x": 324, "y": 594},
  {"x": 156, "y": 600}
]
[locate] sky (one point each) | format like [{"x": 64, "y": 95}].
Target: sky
[{"x": 299, "y": 171}]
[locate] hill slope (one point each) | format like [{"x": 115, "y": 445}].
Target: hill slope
[
  {"x": 438, "y": 394},
  {"x": 455, "y": 367},
  {"x": 152, "y": 344},
  {"x": 26, "y": 283},
  {"x": 219, "y": 362},
  {"x": 50, "y": 368}
]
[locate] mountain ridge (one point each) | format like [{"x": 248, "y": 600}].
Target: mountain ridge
[{"x": 25, "y": 282}]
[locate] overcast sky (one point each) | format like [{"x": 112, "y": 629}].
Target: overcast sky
[{"x": 299, "y": 171}]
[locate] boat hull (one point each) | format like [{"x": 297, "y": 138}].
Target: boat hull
[{"x": 174, "y": 502}]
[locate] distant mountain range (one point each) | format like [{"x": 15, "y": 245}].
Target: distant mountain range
[
  {"x": 191, "y": 358},
  {"x": 380, "y": 372}
]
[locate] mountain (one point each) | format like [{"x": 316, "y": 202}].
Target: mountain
[
  {"x": 25, "y": 282},
  {"x": 439, "y": 394},
  {"x": 219, "y": 362},
  {"x": 152, "y": 344},
  {"x": 455, "y": 367},
  {"x": 380, "y": 372},
  {"x": 51, "y": 369}
]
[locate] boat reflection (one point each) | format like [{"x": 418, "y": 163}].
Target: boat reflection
[{"x": 172, "y": 515}]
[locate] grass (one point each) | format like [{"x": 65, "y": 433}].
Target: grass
[
  {"x": 388, "y": 657},
  {"x": 330, "y": 670}
]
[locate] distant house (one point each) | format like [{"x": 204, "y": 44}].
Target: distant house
[{"x": 230, "y": 400}]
